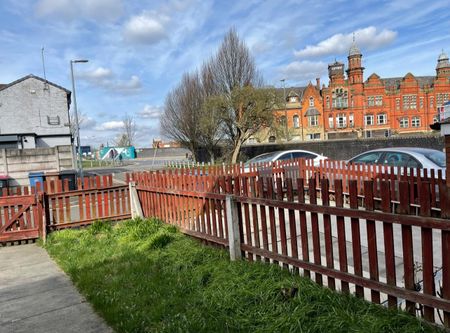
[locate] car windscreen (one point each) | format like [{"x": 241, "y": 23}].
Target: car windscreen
[
  {"x": 437, "y": 157},
  {"x": 262, "y": 158}
]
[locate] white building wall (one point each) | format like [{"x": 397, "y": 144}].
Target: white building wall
[{"x": 26, "y": 106}]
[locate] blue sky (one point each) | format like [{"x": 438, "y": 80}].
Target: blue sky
[{"x": 138, "y": 50}]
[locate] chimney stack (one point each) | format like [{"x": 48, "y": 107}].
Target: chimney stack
[{"x": 318, "y": 83}]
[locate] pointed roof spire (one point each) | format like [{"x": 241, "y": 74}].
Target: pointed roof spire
[
  {"x": 443, "y": 61},
  {"x": 354, "y": 49}
]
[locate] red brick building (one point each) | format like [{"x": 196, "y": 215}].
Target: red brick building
[{"x": 350, "y": 107}]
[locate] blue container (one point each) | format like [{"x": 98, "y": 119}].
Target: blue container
[{"x": 36, "y": 177}]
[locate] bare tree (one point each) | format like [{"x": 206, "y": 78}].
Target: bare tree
[
  {"x": 73, "y": 123},
  {"x": 224, "y": 100},
  {"x": 127, "y": 135},
  {"x": 246, "y": 106},
  {"x": 181, "y": 116},
  {"x": 129, "y": 129}
]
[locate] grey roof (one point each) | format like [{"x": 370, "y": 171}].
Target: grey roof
[
  {"x": 31, "y": 76},
  {"x": 396, "y": 81},
  {"x": 312, "y": 112}
]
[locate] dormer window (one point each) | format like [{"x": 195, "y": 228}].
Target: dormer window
[{"x": 293, "y": 99}]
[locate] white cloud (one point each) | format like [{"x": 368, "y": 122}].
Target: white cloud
[
  {"x": 97, "y": 74},
  {"x": 104, "y": 78},
  {"x": 104, "y": 10},
  {"x": 131, "y": 86},
  {"x": 147, "y": 28},
  {"x": 88, "y": 123},
  {"x": 367, "y": 38},
  {"x": 110, "y": 125},
  {"x": 150, "y": 112},
  {"x": 303, "y": 70}
]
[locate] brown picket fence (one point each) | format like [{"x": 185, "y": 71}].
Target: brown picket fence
[
  {"x": 332, "y": 170},
  {"x": 33, "y": 211},
  {"x": 364, "y": 244}
]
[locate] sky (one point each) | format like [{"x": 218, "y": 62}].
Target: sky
[{"x": 138, "y": 50}]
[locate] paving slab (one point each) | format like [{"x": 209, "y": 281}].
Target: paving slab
[{"x": 37, "y": 296}]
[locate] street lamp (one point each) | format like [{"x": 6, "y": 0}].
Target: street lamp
[
  {"x": 80, "y": 165},
  {"x": 285, "y": 110}
]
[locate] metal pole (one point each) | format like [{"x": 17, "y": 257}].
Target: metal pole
[{"x": 80, "y": 165}]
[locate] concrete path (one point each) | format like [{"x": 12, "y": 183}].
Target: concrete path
[{"x": 36, "y": 296}]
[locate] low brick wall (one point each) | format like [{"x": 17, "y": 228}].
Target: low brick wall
[{"x": 17, "y": 163}]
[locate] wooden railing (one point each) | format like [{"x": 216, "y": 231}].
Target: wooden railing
[{"x": 351, "y": 242}]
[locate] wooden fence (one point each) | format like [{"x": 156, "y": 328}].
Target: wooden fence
[
  {"x": 32, "y": 212},
  {"x": 355, "y": 243},
  {"x": 332, "y": 170}
]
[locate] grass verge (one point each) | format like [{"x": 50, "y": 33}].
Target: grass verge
[{"x": 144, "y": 276}]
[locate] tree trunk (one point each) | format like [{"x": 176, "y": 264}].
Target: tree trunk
[
  {"x": 236, "y": 151},
  {"x": 211, "y": 155}
]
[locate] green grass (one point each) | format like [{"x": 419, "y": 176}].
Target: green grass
[{"x": 144, "y": 276}]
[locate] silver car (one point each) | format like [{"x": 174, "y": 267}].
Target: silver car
[
  {"x": 286, "y": 155},
  {"x": 422, "y": 158}
]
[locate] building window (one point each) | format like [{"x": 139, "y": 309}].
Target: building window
[
  {"x": 441, "y": 99},
  {"x": 421, "y": 102},
  {"x": 397, "y": 103},
  {"x": 409, "y": 102},
  {"x": 292, "y": 99},
  {"x": 283, "y": 120},
  {"x": 415, "y": 122},
  {"x": 381, "y": 119},
  {"x": 313, "y": 136},
  {"x": 350, "y": 120},
  {"x": 340, "y": 98},
  {"x": 53, "y": 120},
  {"x": 311, "y": 101},
  {"x": 431, "y": 102},
  {"x": 374, "y": 101},
  {"x": 341, "y": 121},
  {"x": 296, "y": 121},
  {"x": 313, "y": 121},
  {"x": 328, "y": 102},
  {"x": 330, "y": 122},
  {"x": 404, "y": 122},
  {"x": 368, "y": 120},
  {"x": 378, "y": 100}
]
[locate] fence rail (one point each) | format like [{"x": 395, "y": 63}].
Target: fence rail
[{"x": 353, "y": 242}]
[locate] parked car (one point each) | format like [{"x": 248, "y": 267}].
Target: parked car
[
  {"x": 405, "y": 156},
  {"x": 286, "y": 155}
]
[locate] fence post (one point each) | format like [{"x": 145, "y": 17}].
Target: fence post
[
  {"x": 234, "y": 238},
  {"x": 135, "y": 205}
]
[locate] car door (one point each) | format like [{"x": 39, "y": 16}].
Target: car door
[{"x": 399, "y": 159}]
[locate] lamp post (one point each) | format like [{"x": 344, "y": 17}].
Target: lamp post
[
  {"x": 80, "y": 165},
  {"x": 285, "y": 110}
]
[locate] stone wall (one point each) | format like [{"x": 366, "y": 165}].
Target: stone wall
[{"x": 17, "y": 163}]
